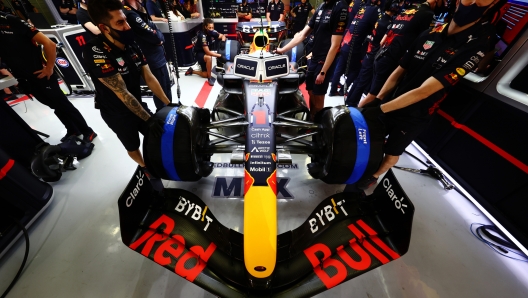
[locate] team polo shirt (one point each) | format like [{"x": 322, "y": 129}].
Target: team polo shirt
[
  {"x": 103, "y": 59},
  {"x": 17, "y": 50},
  {"x": 362, "y": 23},
  {"x": 206, "y": 39},
  {"x": 243, "y": 9},
  {"x": 329, "y": 19},
  {"x": 405, "y": 29},
  {"x": 148, "y": 36},
  {"x": 275, "y": 10},
  {"x": 380, "y": 28},
  {"x": 445, "y": 58},
  {"x": 301, "y": 12}
]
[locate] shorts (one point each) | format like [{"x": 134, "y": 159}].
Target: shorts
[
  {"x": 200, "y": 59},
  {"x": 400, "y": 136},
  {"x": 314, "y": 68},
  {"x": 383, "y": 68},
  {"x": 126, "y": 128}
]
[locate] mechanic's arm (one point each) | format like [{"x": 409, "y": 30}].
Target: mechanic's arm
[
  {"x": 429, "y": 87},
  {"x": 222, "y": 36},
  {"x": 281, "y": 18},
  {"x": 268, "y": 17},
  {"x": 212, "y": 54},
  {"x": 293, "y": 11},
  {"x": 391, "y": 83},
  {"x": 155, "y": 18},
  {"x": 334, "y": 48},
  {"x": 153, "y": 84},
  {"x": 51, "y": 54},
  {"x": 297, "y": 39},
  {"x": 118, "y": 86},
  {"x": 94, "y": 29},
  {"x": 145, "y": 32}
]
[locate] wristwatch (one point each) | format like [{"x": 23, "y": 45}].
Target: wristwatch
[{"x": 322, "y": 73}]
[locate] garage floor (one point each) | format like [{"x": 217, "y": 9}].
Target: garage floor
[{"x": 76, "y": 250}]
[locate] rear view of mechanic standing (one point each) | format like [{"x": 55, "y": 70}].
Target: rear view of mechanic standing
[
  {"x": 328, "y": 26},
  {"x": 20, "y": 52},
  {"x": 431, "y": 66},
  {"x": 150, "y": 41}
]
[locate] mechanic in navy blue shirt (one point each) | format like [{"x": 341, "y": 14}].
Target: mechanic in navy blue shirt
[
  {"x": 150, "y": 40},
  {"x": 116, "y": 64},
  {"x": 35, "y": 76},
  {"x": 300, "y": 15},
  {"x": 206, "y": 43},
  {"x": 364, "y": 78},
  {"x": 436, "y": 61},
  {"x": 153, "y": 7},
  {"x": 22, "y": 8},
  {"x": 244, "y": 12},
  {"x": 275, "y": 11},
  {"x": 404, "y": 30},
  {"x": 328, "y": 24},
  {"x": 358, "y": 29}
]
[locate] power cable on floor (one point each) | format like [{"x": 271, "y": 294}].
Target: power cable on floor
[
  {"x": 503, "y": 246},
  {"x": 13, "y": 282}
]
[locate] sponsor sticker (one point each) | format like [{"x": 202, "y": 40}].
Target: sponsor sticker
[
  {"x": 97, "y": 50},
  {"x": 99, "y": 60},
  {"x": 62, "y": 62},
  {"x": 120, "y": 61},
  {"x": 428, "y": 44}
]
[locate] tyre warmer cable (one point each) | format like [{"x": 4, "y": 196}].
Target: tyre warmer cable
[
  {"x": 173, "y": 43},
  {"x": 26, "y": 236}
]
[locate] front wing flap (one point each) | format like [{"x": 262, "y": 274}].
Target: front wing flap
[{"x": 344, "y": 237}]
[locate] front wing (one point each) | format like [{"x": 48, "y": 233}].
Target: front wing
[{"x": 344, "y": 237}]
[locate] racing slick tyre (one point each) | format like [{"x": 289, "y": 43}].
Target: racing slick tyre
[
  {"x": 296, "y": 54},
  {"x": 229, "y": 49},
  {"x": 351, "y": 146},
  {"x": 176, "y": 154}
]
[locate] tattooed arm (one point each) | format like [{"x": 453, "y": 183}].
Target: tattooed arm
[{"x": 116, "y": 84}]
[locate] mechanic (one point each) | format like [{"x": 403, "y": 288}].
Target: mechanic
[
  {"x": 67, "y": 10},
  {"x": 150, "y": 41},
  {"x": 328, "y": 25},
  {"x": 426, "y": 74},
  {"x": 153, "y": 7},
  {"x": 364, "y": 78},
  {"x": 22, "y": 8},
  {"x": 300, "y": 15},
  {"x": 244, "y": 12},
  {"x": 116, "y": 64},
  {"x": 85, "y": 20},
  {"x": 178, "y": 10},
  {"x": 410, "y": 23},
  {"x": 358, "y": 29},
  {"x": 34, "y": 76},
  {"x": 5, "y": 9},
  {"x": 203, "y": 49},
  {"x": 275, "y": 11}
]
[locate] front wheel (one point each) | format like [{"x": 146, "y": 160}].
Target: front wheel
[{"x": 177, "y": 154}]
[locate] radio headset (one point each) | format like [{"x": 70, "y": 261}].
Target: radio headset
[{"x": 175, "y": 62}]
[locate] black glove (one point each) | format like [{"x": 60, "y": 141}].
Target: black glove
[
  {"x": 174, "y": 104},
  {"x": 222, "y": 59},
  {"x": 155, "y": 126},
  {"x": 372, "y": 112},
  {"x": 375, "y": 103}
]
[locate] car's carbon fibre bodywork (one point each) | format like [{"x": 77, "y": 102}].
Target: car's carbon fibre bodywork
[{"x": 344, "y": 237}]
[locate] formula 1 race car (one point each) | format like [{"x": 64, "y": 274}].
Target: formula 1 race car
[{"x": 260, "y": 118}]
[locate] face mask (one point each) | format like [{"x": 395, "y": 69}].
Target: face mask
[
  {"x": 468, "y": 14},
  {"x": 125, "y": 37}
]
